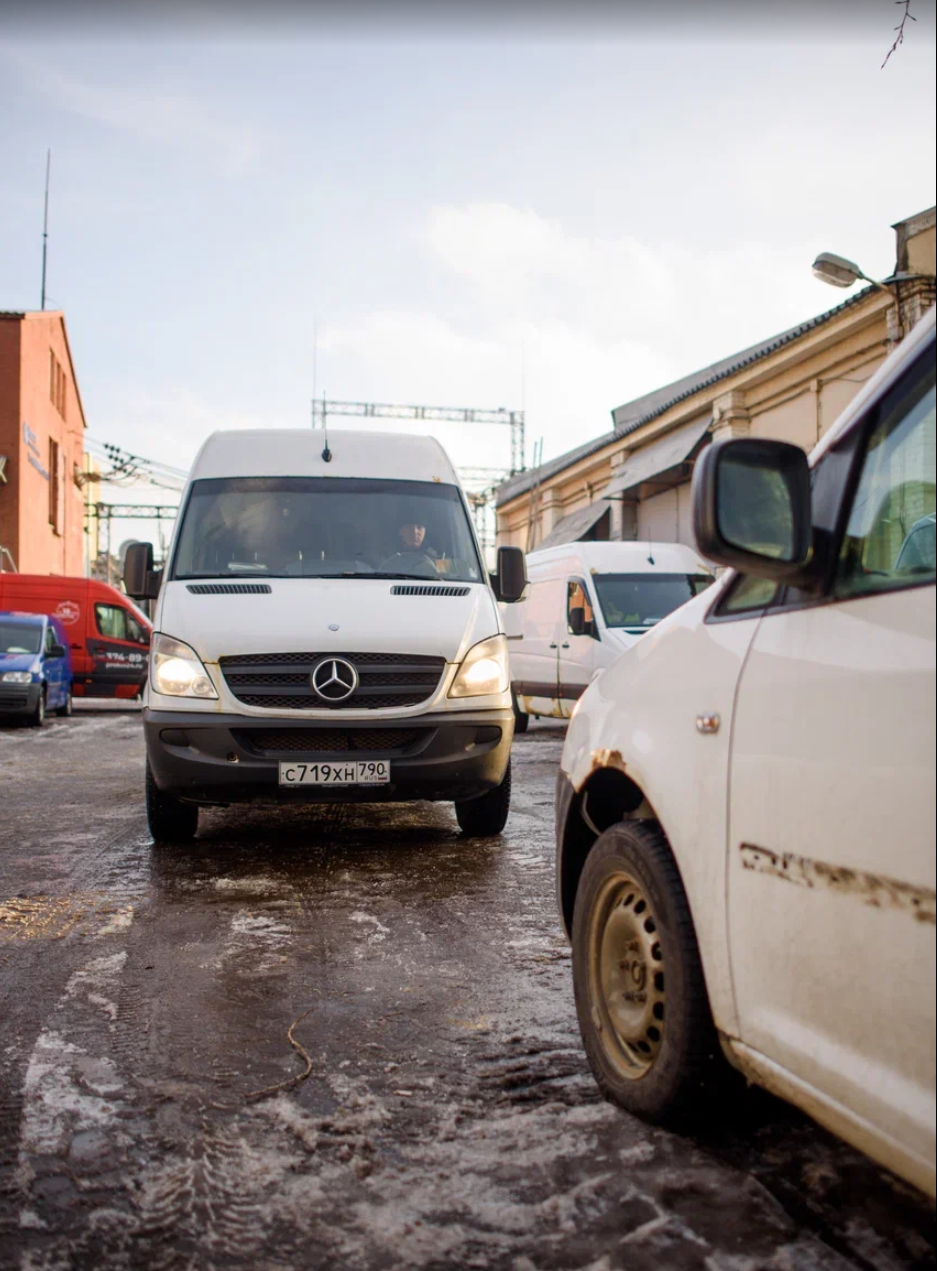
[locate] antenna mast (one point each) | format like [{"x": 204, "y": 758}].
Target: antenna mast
[{"x": 45, "y": 228}]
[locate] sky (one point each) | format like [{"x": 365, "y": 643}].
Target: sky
[{"x": 513, "y": 209}]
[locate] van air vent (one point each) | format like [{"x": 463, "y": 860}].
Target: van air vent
[
  {"x": 229, "y": 589},
  {"x": 417, "y": 589}
]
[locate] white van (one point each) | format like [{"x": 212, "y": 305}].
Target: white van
[
  {"x": 585, "y": 604},
  {"x": 745, "y": 810},
  {"x": 325, "y": 629}
]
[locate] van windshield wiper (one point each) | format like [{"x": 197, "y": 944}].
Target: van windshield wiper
[{"x": 350, "y": 573}]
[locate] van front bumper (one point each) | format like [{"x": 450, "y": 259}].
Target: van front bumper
[
  {"x": 224, "y": 759},
  {"x": 19, "y": 699}
]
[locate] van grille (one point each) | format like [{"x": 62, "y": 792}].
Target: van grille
[
  {"x": 12, "y": 699},
  {"x": 300, "y": 741},
  {"x": 282, "y": 681}
]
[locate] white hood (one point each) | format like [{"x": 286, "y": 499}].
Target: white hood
[{"x": 317, "y": 615}]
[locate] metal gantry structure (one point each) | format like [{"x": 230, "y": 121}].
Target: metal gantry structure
[{"x": 479, "y": 483}]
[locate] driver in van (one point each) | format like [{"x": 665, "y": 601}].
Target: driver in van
[
  {"x": 411, "y": 541},
  {"x": 412, "y": 535}
]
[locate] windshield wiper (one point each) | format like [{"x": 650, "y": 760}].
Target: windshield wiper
[{"x": 420, "y": 578}]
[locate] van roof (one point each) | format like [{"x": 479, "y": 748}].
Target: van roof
[
  {"x": 297, "y": 452},
  {"x": 23, "y": 619},
  {"x": 632, "y": 556}
]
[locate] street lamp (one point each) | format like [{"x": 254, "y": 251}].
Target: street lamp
[{"x": 840, "y": 272}]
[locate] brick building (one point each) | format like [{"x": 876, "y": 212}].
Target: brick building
[{"x": 42, "y": 427}]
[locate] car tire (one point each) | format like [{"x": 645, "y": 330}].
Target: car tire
[
  {"x": 487, "y": 815},
  {"x": 640, "y": 994},
  {"x": 520, "y": 719},
  {"x": 64, "y": 711},
  {"x": 169, "y": 819},
  {"x": 38, "y": 717}
]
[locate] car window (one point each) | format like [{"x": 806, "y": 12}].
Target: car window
[
  {"x": 49, "y": 640},
  {"x": 890, "y": 535},
  {"x": 111, "y": 621},
  {"x": 135, "y": 631},
  {"x": 577, "y": 598},
  {"x": 748, "y": 593}
]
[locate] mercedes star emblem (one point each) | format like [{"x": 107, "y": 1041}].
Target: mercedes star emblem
[{"x": 334, "y": 679}]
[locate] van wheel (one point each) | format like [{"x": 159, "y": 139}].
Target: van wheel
[
  {"x": 638, "y": 981},
  {"x": 520, "y": 719},
  {"x": 64, "y": 711},
  {"x": 38, "y": 717},
  {"x": 170, "y": 820},
  {"x": 487, "y": 815}
]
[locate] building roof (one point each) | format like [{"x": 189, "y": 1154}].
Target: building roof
[
  {"x": 21, "y": 314},
  {"x": 643, "y": 409}
]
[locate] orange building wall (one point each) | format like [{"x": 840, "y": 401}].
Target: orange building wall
[{"x": 29, "y": 420}]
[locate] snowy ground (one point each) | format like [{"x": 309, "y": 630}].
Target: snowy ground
[{"x": 448, "y": 1119}]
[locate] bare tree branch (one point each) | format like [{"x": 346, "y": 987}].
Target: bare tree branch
[{"x": 899, "y": 38}]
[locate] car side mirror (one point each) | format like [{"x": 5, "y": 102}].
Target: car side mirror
[
  {"x": 58, "y": 651},
  {"x": 577, "y": 621},
  {"x": 140, "y": 579},
  {"x": 752, "y": 507},
  {"x": 511, "y": 579}
]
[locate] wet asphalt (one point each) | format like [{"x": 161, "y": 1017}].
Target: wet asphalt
[{"x": 435, "y": 1109}]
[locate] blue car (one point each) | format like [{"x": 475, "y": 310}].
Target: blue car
[{"x": 35, "y": 667}]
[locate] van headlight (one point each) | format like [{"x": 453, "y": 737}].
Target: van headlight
[
  {"x": 484, "y": 669},
  {"x": 17, "y": 677},
  {"x": 176, "y": 670}
]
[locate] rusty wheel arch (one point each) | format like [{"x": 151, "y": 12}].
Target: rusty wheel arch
[{"x": 607, "y": 796}]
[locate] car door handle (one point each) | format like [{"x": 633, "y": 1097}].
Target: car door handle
[
  {"x": 565, "y": 646},
  {"x": 553, "y": 646}
]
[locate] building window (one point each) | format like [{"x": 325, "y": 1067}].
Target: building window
[{"x": 57, "y": 383}]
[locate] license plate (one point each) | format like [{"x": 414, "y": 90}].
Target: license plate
[{"x": 363, "y": 772}]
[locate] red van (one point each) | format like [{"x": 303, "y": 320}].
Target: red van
[{"x": 108, "y": 636}]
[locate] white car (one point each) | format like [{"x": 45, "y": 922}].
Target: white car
[
  {"x": 584, "y": 604},
  {"x": 745, "y": 809}
]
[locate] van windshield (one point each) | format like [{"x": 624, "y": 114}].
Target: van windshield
[
  {"x": 640, "y": 600},
  {"x": 17, "y": 637},
  {"x": 325, "y": 527}
]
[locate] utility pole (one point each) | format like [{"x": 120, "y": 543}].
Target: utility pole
[{"x": 45, "y": 229}]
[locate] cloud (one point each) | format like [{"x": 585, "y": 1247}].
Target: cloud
[
  {"x": 164, "y": 117},
  {"x": 566, "y": 325}
]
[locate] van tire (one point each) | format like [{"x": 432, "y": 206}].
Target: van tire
[
  {"x": 38, "y": 717},
  {"x": 487, "y": 815},
  {"x": 64, "y": 711},
  {"x": 169, "y": 819},
  {"x": 658, "y": 1056},
  {"x": 520, "y": 719}
]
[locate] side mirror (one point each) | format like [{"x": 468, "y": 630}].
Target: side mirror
[
  {"x": 140, "y": 579},
  {"x": 58, "y": 651},
  {"x": 751, "y": 507},
  {"x": 577, "y": 621},
  {"x": 511, "y": 578}
]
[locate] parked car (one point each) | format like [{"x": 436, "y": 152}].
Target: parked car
[
  {"x": 108, "y": 635},
  {"x": 325, "y": 630},
  {"x": 745, "y": 811},
  {"x": 35, "y": 667},
  {"x": 585, "y": 603}
]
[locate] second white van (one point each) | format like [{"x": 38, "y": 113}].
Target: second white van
[{"x": 586, "y": 603}]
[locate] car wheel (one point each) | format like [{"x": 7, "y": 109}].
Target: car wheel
[
  {"x": 66, "y": 710},
  {"x": 170, "y": 820},
  {"x": 38, "y": 717},
  {"x": 520, "y": 719},
  {"x": 640, "y": 994},
  {"x": 487, "y": 815}
]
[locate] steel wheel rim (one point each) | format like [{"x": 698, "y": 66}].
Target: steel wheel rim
[{"x": 626, "y": 976}]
